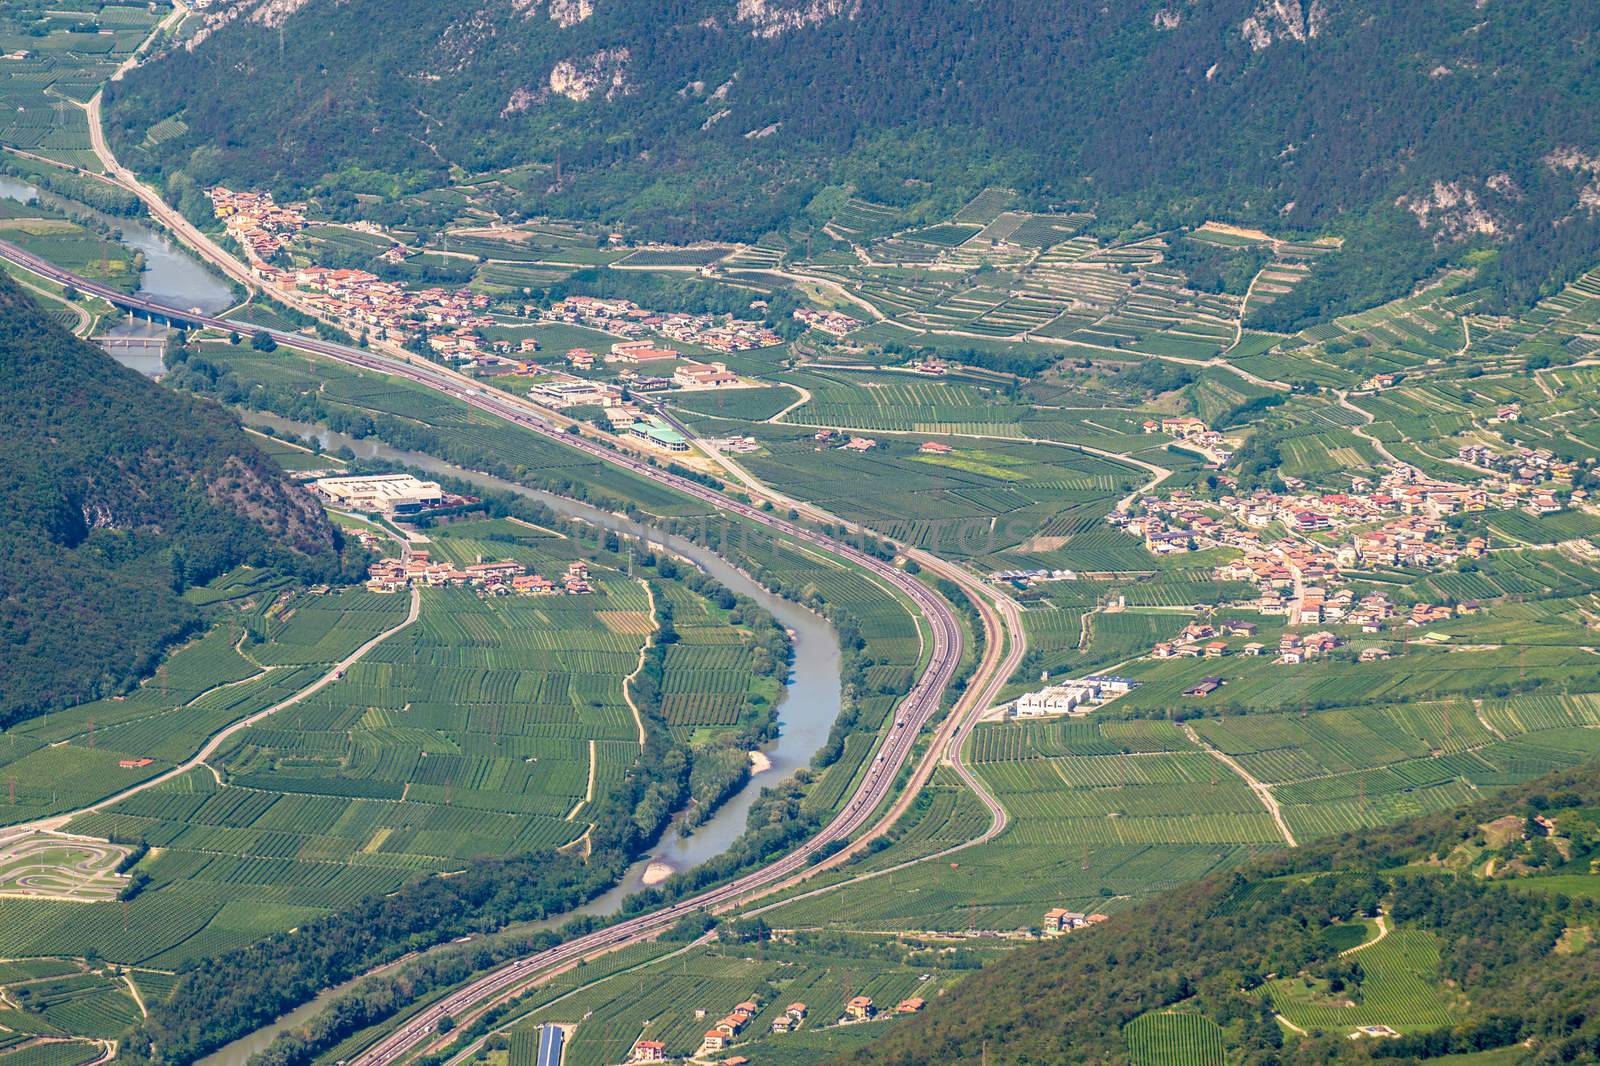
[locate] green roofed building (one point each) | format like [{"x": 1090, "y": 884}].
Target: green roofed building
[{"x": 660, "y": 434}]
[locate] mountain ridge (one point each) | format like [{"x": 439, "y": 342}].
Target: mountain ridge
[
  {"x": 121, "y": 494},
  {"x": 1421, "y": 129}
]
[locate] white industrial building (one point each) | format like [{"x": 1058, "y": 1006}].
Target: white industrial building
[
  {"x": 383, "y": 493},
  {"x": 1072, "y": 697}
]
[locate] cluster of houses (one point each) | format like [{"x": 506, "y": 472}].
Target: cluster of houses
[
  {"x": 1227, "y": 519},
  {"x": 496, "y": 578},
  {"x": 831, "y": 322},
  {"x": 727, "y": 1029},
  {"x": 627, "y": 319},
  {"x": 1201, "y": 640},
  {"x": 1059, "y": 921},
  {"x": 1399, "y": 521},
  {"x": 719, "y": 1036},
  {"x": 1524, "y": 475},
  {"x": 862, "y": 1009},
  {"x": 356, "y": 298},
  {"x": 360, "y": 299},
  {"x": 256, "y": 221},
  {"x": 1195, "y": 434}
]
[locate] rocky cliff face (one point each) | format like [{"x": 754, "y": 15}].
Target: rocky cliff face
[
  {"x": 119, "y": 494},
  {"x": 773, "y": 18}
]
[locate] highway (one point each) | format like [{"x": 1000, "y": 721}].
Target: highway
[
  {"x": 998, "y": 613},
  {"x": 877, "y": 784}
]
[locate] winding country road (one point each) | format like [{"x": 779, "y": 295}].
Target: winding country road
[
  {"x": 1262, "y": 791},
  {"x": 55, "y": 822},
  {"x": 1361, "y": 431}
]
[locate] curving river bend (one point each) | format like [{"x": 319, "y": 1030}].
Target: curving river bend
[{"x": 810, "y": 703}]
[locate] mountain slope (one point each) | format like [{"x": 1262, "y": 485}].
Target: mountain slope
[
  {"x": 1472, "y": 961},
  {"x": 119, "y": 493},
  {"x": 1421, "y": 123}
]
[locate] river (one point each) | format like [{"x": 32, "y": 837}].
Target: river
[
  {"x": 812, "y": 694},
  {"x": 170, "y": 275},
  {"x": 810, "y": 703}
]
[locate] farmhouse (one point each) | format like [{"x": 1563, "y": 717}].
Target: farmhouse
[
  {"x": 1061, "y": 920},
  {"x": 1182, "y": 428},
  {"x": 715, "y": 1040},
  {"x": 859, "y": 1008},
  {"x": 933, "y": 447},
  {"x": 1204, "y": 687},
  {"x": 705, "y": 376},
  {"x": 384, "y": 493},
  {"x": 648, "y": 1051}
]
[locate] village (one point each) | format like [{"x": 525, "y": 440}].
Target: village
[
  {"x": 505, "y": 577},
  {"x": 454, "y": 321},
  {"x": 625, "y": 318},
  {"x": 1299, "y": 547}
]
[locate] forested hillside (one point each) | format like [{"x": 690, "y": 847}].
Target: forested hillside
[
  {"x": 119, "y": 495},
  {"x": 1461, "y": 932},
  {"x": 1414, "y": 128}
]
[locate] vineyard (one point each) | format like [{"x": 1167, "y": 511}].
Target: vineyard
[
  {"x": 1401, "y": 990},
  {"x": 998, "y": 503},
  {"x": 474, "y": 732},
  {"x": 1171, "y": 1038}
]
